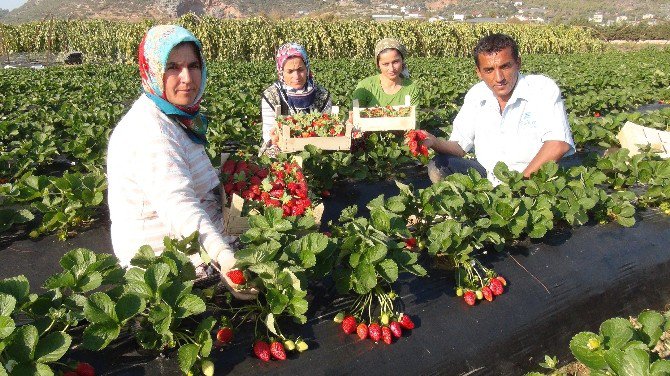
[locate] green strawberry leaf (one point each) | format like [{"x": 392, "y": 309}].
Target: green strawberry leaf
[
  {"x": 592, "y": 356},
  {"x": 7, "y": 327},
  {"x": 18, "y": 287},
  {"x": 277, "y": 301},
  {"x": 617, "y": 332},
  {"x": 652, "y": 326},
  {"x": 189, "y": 305},
  {"x": 388, "y": 270},
  {"x": 156, "y": 275},
  {"x": 22, "y": 346},
  {"x": 52, "y": 347},
  {"x": 7, "y": 304},
  {"x": 187, "y": 355},
  {"x": 98, "y": 335},
  {"x": 128, "y": 306},
  {"x": 660, "y": 367},
  {"x": 100, "y": 308}
]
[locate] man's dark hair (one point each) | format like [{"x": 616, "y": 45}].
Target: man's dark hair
[{"x": 495, "y": 43}]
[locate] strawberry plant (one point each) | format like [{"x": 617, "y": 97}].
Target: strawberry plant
[
  {"x": 280, "y": 255},
  {"x": 636, "y": 346}
]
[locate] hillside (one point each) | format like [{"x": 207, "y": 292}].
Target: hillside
[{"x": 556, "y": 10}]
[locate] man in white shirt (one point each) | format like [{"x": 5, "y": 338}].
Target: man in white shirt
[{"x": 507, "y": 117}]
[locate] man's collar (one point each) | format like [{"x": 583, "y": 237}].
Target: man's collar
[{"x": 521, "y": 91}]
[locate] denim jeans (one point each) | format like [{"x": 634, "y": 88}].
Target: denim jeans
[{"x": 444, "y": 165}]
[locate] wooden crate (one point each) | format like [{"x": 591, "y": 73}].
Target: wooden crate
[
  {"x": 234, "y": 223},
  {"x": 632, "y": 136},
  {"x": 287, "y": 144},
  {"x": 384, "y": 123}
]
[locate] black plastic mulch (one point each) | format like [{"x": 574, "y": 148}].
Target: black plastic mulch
[{"x": 591, "y": 273}]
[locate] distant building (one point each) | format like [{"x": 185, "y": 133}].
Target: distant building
[
  {"x": 597, "y": 18},
  {"x": 648, "y": 16},
  {"x": 622, "y": 19},
  {"x": 459, "y": 17},
  {"x": 518, "y": 3},
  {"x": 435, "y": 19}
]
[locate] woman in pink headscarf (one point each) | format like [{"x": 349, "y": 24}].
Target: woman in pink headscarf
[{"x": 293, "y": 92}]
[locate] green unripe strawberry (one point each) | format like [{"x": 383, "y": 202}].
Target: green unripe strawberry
[
  {"x": 207, "y": 367},
  {"x": 392, "y": 295},
  {"x": 459, "y": 292},
  {"x": 301, "y": 345},
  {"x": 289, "y": 345},
  {"x": 479, "y": 294},
  {"x": 385, "y": 318},
  {"x": 339, "y": 317}
]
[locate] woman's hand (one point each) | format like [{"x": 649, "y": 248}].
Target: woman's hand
[
  {"x": 226, "y": 262},
  {"x": 274, "y": 137}
]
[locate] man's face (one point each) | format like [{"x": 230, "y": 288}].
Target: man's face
[{"x": 499, "y": 71}]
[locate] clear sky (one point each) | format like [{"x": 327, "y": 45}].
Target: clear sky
[{"x": 11, "y": 4}]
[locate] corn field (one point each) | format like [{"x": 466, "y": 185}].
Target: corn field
[{"x": 256, "y": 39}]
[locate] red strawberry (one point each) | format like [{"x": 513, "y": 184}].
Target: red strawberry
[
  {"x": 596, "y": 114},
  {"x": 240, "y": 185},
  {"x": 396, "y": 329},
  {"x": 410, "y": 243},
  {"x": 277, "y": 350},
  {"x": 469, "y": 297},
  {"x": 496, "y": 287},
  {"x": 263, "y": 173},
  {"x": 325, "y": 193},
  {"x": 229, "y": 188},
  {"x": 362, "y": 331},
  {"x": 224, "y": 335},
  {"x": 387, "y": 337},
  {"x": 262, "y": 350},
  {"x": 375, "y": 332},
  {"x": 349, "y": 324},
  {"x": 502, "y": 280},
  {"x": 255, "y": 180},
  {"x": 228, "y": 167},
  {"x": 85, "y": 369},
  {"x": 236, "y": 276},
  {"x": 488, "y": 294},
  {"x": 406, "y": 322}
]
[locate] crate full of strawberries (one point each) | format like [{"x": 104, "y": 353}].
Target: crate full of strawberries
[
  {"x": 388, "y": 118},
  {"x": 323, "y": 130},
  {"x": 247, "y": 187}
]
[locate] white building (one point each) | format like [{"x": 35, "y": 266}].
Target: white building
[
  {"x": 622, "y": 19},
  {"x": 648, "y": 16},
  {"x": 386, "y": 17},
  {"x": 597, "y": 18},
  {"x": 459, "y": 17},
  {"x": 518, "y": 3}
]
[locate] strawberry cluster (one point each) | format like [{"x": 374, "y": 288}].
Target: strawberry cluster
[
  {"x": 388, "y": 111},
  {"x": 494, "y": 286},
  {"x": 413, "y": 140},
  {"x": 388, "y": 327},
  {"x": 276, "y": 349},
  {"x": 314, "y": 124},
  {"x": 281, "y": 185}
]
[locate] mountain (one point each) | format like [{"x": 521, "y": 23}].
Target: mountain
[{"x": 164, "y": 9}]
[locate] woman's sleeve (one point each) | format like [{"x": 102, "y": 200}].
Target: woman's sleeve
[
  {"x": 167, "y": 181},
  {"x": 269, "y": 122}
]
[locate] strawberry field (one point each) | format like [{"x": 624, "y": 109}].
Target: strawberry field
[{"x": 54, "y": 127}]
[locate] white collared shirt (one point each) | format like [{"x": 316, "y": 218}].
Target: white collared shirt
[{"x": 534, "y": 114}]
